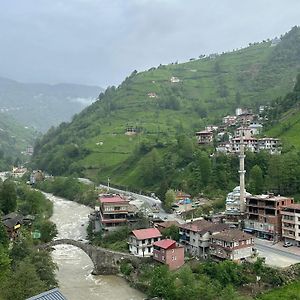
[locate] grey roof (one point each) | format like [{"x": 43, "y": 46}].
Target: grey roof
[{"x": 53, "y": 294}]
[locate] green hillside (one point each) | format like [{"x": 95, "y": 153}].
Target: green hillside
[
  {"x": 14, "y": 139},
  {"x": 94, "y": 144}
]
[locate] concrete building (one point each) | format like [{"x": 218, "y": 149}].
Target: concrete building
[
  {"x": 114, "y": 211},
  {"x": 141, "y": 241},
  {"x": 232, "y": 244},
  {"x": 169, "y": 253},
  {"x": 263, "y": 215},
  {"x": 291, "y": 223},
  {"x": 195, "y": 236},
  {"x": 272, "y": 145},
  {"x": 250, "y": 144},
  {"x": 204, "y": 137},
  {"x": 229, "y": 120}
]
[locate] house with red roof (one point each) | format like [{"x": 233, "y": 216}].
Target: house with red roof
[
  {"x": 169, "y": 253},
  {"x": 141, "y": 241},
  {"x": 114, "y": 211}
]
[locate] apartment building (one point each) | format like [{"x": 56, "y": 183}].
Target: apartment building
[
  {"x": 114, "y": 211},
  {"x": 232, "y": 244},
  {"x": 291, "y": 224},
  {"x": 263, "y": 216},
  {"x": 195, "y": 236}
]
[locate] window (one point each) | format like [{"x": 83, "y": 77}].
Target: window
[
  {"x": 173, "y": 257},
  {"x": 173, "y": 250},
  {"x": 162, "y": 258}
]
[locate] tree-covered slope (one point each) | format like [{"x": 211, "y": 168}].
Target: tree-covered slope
[
  {"x": 14, "y": 139},
  {"x": 94, "y": 144}
]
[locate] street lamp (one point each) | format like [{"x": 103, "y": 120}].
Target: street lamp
[{"x": 108, "y": 180}]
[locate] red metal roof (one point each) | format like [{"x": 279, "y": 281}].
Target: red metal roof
[
  {"x": 165, "y": 244},
  {"x": 112, "y": 199},
  {"x": 148, "y": 233}
]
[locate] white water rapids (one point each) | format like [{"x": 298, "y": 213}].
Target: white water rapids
[{"x": 74, "y": 274}]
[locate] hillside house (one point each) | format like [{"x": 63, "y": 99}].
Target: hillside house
[
  {"x": 250, "y": 144},
  {"x": 163, "y": 225},
  {"x": 195, "y": 236},
  {"x": 229, "y": 120},
  {"x": 131, "y": 130},
  {"x": 232, "y": 244},
  {"x": 169, "y": 253},
  {"x": 174, "y": 79},
  {"x": 141, "y": 241},
  {"x": 263, "y": 215},
  {"x": 272, "y": 145},
  {"x": 255, "y": 128},
  {"x": 291, "y": 224},
  {"x": 243, "y": 131},
  {"x": 12, "y": 223},
  {"x": 204, "y": 137},
  {"x": 245, "y": 118},
  {"x": 152, "y": 95}
]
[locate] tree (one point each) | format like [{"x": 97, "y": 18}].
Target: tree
[
  {"x": 48, "y": 230},
  {"x": 171, "y": 232},
  {"x": 4, "y": 262},
  {"x": 4, "y": 240},
  {"x": 8, "y": 197},
  {"x": 162, "y": 284},
  {"x": 256, "y": 181},
  {"x": 169, "y": 199}
]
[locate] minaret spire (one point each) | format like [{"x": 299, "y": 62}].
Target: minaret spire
[{"x": 242, "y": 174}]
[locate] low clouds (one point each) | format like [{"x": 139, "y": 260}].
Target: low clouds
[{"x": 102, "y": 41}]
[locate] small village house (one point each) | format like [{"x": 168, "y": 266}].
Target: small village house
[
  {"x": 141, "y": 241},
  {"x": 169, "y": 253},
  {"x": 195, "y": 236},
  {"x": 204, "y": 137},
  {"x": 232, "y": 244},
  {"x": 12, "y": 223}
]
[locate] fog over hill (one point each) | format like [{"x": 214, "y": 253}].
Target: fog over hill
[{"x": 40, "y": 105}]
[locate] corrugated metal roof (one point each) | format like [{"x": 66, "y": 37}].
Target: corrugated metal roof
[{"x": 53, "y": 294}]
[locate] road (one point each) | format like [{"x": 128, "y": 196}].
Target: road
[
  {"x": 150, "y": 201},
  {"x": 276, "y": 254}
]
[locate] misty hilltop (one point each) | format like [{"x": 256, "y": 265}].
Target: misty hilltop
[{"x": 41, "y": 105}]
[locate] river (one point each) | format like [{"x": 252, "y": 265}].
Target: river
[{"x": 74, "y": 274}]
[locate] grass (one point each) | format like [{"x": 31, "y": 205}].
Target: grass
[{"x": 291, "y": 291}]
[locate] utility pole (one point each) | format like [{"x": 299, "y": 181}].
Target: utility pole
[
  {"x": 242, "y": 175},
  {"x": 108, "y": 181}
]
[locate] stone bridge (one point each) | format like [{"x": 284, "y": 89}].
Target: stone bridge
[{"x": 106, "y": 262}]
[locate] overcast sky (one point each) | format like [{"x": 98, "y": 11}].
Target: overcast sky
[{"x": 102, "y": 41}]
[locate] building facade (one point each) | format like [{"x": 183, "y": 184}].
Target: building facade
[
  {"x": 169, "y": 253},
  {"x": 232, "y": 244},
  {"x": 204, "y": 137},
  {"x": 291, "y": 224},
  {"x": 141, "y": 241},
  {"x": 113, "y": 211},
  {"x": 195, "y": 236},
  {"x": 263, "y": 215}
]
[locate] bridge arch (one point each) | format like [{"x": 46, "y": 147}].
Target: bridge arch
[{"x": 106, "y": 262}]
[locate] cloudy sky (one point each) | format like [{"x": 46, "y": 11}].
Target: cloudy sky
[{"x": 102, "y": 41}]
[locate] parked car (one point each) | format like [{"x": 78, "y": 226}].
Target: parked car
[{"x": 287, "y": 244}]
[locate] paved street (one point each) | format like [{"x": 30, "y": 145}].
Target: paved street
[{"x": 276, "y": 255}]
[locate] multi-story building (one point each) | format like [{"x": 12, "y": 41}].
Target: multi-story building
[
  {"x": 271, "y": 145},
  {"x": 169, "y": 253},
  {"x": 229, "y": 120},
  {"x": 263, "y": 215},
  {"x": 291, "y": 223},
  {"x": 232, "y": 244},
  {"x": 194, "y": 236},
  {"x": 114, "y": 211},
  {"x": 141, "y": 241},
  {"x": 249, "y": 143},
  {"x": 204, "y": 137}
]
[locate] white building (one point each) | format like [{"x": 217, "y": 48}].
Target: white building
[
  {"x": 174, "y": 79},
  {"x": 250, "y": 144},
  {"x": 255, "y": 128},
  {"x": 141, "y": 241},
  {"x": 272, "y": 145},
  {"x": 232, "y": 202},
  {"x": 291, "y": 223}
]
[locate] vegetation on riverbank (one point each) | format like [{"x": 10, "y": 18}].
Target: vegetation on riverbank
[
  {"x": 71, "y": 189},
  {"x": 25, "y": 271},
  {"x": 212, "y": 281}
]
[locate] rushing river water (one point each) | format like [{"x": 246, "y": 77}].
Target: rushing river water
[{"x": 74, "y": 274}]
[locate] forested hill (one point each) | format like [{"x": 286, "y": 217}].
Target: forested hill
[
  {"x": 163, "y": 103},
  {"x": 14, "y": 139},
  {"x": 42, "y": 105}
]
